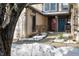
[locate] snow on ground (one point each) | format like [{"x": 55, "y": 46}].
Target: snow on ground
[
  {"x": 38, "y": 49},
  {"x": 39, "y": 37}
]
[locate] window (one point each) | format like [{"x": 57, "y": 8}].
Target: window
[
  {"x": 34, "y": 24},
  {"x": 65, "y": 6},
  {"x": 53, "y": 6},
  {"x": 48, "y": 7}
]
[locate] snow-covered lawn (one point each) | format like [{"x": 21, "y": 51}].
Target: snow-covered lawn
[{"x": 38, "y": 49}]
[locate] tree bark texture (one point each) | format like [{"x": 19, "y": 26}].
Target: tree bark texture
[{"x": 6, "y": 34}]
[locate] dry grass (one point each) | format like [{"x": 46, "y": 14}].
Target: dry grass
[{"x": 61, "y": 44}]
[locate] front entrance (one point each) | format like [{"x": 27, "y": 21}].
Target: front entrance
[
  {"x": 57, "y": 24},
  {"x": 61, "y": 25}
]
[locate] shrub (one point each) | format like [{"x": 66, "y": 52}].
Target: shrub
[{"x": 61, "y": 36}]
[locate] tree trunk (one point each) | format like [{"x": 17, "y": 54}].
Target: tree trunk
[
  {"x": 6, "y": 34},
  {"x": 2, "y": 8}
]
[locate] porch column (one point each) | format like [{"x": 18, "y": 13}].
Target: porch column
[
  {"x": 57, "y": 23},
  {"x": 77, "y": 36},
  {"x": 72, "y": 22},
  {"x": 26, "y": 19}
]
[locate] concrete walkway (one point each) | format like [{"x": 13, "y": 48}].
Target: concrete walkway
[{"x": 49, "y": 42}]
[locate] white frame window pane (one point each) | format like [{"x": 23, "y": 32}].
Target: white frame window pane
[
  {"x": 50, "y": 7},
  {"x": 65, "y": 6},
  {"x": 53, "y": 7},
  {"x": 46, "y": 6}
]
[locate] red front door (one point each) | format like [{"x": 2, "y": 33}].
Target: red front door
[{"x": 53, "y": 24}]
